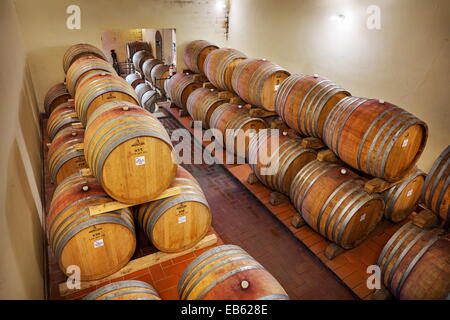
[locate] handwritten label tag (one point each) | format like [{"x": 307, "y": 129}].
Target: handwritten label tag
[
  {"x": 140, "y": 160},
  {"x": 98, "y": 243},
  {"x": 182, "y": 219}
]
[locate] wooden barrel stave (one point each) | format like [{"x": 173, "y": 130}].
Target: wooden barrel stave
[
  {"x": 141, "y": 89},
  {"x": 56, "y": 95},
  {"x": 80, "y": 50},
  {"x": 134, "y": 79},
  {"x": 140, "y": 57},
  {"x": 202, "y": 103},
  {"x": 195, "y": 54},
  {"x": 61, "y": 117},
  {"x": 124, "y": 290},
  {"x": 147, "y": 68},
  {"x": 228, "y": 273},
  {"x": 161, "y": 219},
  {"x": 159, "y": 76},
  {"x": 180, "y": 87}
]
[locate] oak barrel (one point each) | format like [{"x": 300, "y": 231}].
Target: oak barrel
[
  {"x": 332, "y": 201},
  {"x": 64, "y": 155},
  {"x": 303, "y": 102},
  {"x": 124, "y": 290},
  {"x": 219, "y": 67},
  {"x": 415, "y": 264},
  {"x": 100, "y": 89},
  {"x": 135, "y": 46},
  {"x": 149, "y": 100},
  {"x": 160, "y": 75},
  {"x": 227, "y": 272},
  {"x": 141, "y": 89},
  {"x": 236, "y": 126},
  {"x": 61, "y": 117},
  {"x": 55, "y": 96},
  {"x": 402, "y": 199},
  {"x": 257, "y": 81},
  {"x": 276, "y": 159},
  {"x": 80, "y": 50},
  {"x": 134, "y": 79},
  {"x": 178, "y": 222},
  {"x": 195, "y": 54},
  {"x": 99, "y": 245},
  {"x": 84, "y": 67},
  {"x": 129, "y": 152},
  {"x": 375, "y": 137},
  {"x": 436, "y": 191},
  {"x": 147, "y": 68},
  {"x": 180, "y": 87},
  {"x": 140, "y": 57},
  {"x": 202, "y": 103}
]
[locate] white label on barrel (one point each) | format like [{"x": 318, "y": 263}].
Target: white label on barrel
[
  {"x": 98, "y": 243},
  {"x": 140, "y": 160},
  {"x": 182, "y": 219},
  {"x": 410, "y": 192},
  {"x": 362, "y": 217},
  {"x": 277, "y": 87},
  {"x": 405, "y": 143}
]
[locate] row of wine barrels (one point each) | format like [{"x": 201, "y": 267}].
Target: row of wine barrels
[
  {"x": 276, "y": 159},
  {"x": 375, "y": 137},
  {"x": 147, "y": 68},
  {"x": 64, "y": 156},
  {"x": 159, "y": 76},
  {"x": 61, "y": 117},
  {"x": 257, "y": 81},
  {"x": 219, "y": 67},
  {"x": 56, "y": 95},
  {"x": 84, "y": 67},
  {"x": 99, "y": 245},
  {"x": 195, "y": 54},
  {"x": 121, "y": 143},
  {"x": 78, "y": 51},
  {"x": 178, "y": 222},
  {"x": 402, "y": 199},
  {"x": 135, "y": 46},
  {"x": 227, "y": 272},
  {"x": 100, "y": 89},
  {"x": 332, "y": 201},
  {"x": 236, "y": 126},
  {"x": 202, "y": 103},
  {"x": 304, "y": 102},
  {"x": 134, "y": 79},
  {"x": 415, "y": 264},
  {"x": 180, "y": 87},
  {"x": 148, "y": 97},
  {"x": 124, "y": 290},
  {"x": 436, "y": 191},
  {"x": 140, "y": 57}
]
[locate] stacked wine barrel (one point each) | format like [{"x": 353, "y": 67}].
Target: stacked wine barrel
[{"x": 124, "y": 290}]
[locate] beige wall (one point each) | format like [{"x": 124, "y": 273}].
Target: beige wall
[
  {"x": 406, "y": 62},
  {"x": 21, "y": 247}
]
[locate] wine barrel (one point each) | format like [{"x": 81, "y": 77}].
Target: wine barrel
[
  {"x": 55, "y": 96},
  {"x": 375, "y": 137},
  {"x": 84, "y": 67},
  {"x": 303, "y": 102},
  {"x": 178, "y": 222},
  {"x": 149, "y": 100},
  {"x": 415, "y": 264},
  {"x": 100, "y": 89},
  {"x": 135, "y": 46},
  {"x": 219, "y": 67},
  {"x": 99, "y": 245},
  {"x": 148, "y": 66},
  {"x": 134, "y": 79},
  {"x": 402, "y": 199},
  {"x": 64, "y": 155},
  {"x": 235, "y": 124},
  {"x": 78, "y": 51},
  {"x": 202, "y": 103},
  {"x": 257, "y": 81},
  {"x": 61, "y": 117},
  {"x": 436, "y": 191},
  {"x": 141, "y": 89},
  {"x": 160, "y": 75},
  {"x": 124, "y": 290},
  {"x": 227, "y": 272},
  {"x": 333, "y": 202},
  {"x": 180, "y": 87},
  {"x": 276, "y": 159},
  {"x": 129, "y": 152},
  {"x": 140, "y": 57},
  {"x": 195, "y": 54}
]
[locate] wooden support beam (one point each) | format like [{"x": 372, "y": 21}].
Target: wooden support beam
[
  {"x": 313, "y": 143},
  {"x": 237, "y": 100},
  {"x": 426, "y": 219},
  {"x": 77, "y": 125},
  {"x": 333, "y": 250},
  {"x": 382, "y": 294},
  {"x": 297, "y": 220},
  {"x": 226, "y": 95},
  {"x": 277, "y": 198},
  {"x": 183, "y": 113},
  {"x": 139, "y": 264},
  {"x": 200, "y": 78},
  {"x": 327, "y": 156},
  {"x": 252, "y": 178},
  {"x": 261, "y": 113},
  {"x": 208, "y": 85}
]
